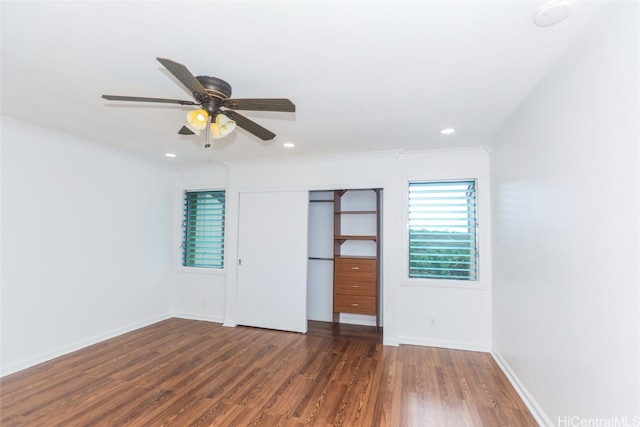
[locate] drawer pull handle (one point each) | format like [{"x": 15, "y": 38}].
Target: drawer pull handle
[
  {"x": 355, "y": 286},
  {"x": 353, "y": 304},
  {"x": 355, "y": 268}
]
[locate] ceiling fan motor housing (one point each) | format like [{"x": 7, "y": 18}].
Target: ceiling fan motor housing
[{"x": 217, "y": 89}]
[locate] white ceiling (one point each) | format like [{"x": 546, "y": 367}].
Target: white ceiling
[{"x": 364, "y": 75}]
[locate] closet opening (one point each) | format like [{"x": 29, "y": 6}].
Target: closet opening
[{"x": 344, "y": 267}]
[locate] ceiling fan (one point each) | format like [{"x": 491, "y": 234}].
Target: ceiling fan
[{"x": 217, "y": 113}]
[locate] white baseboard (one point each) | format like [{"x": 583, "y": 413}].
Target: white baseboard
[
  {"x": 522, "y": 391},
  {"x": 392, "y": 342},
  {"x": 453, "y": 345},
  {"x": 206, "y": 318},
  {"x": 61, "y": 351}
]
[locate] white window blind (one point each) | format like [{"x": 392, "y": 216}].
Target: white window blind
[
  {"x": 442, "y": 230},
  {"x": 203, "y": 240}
]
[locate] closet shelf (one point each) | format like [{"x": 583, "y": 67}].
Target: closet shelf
[
  {"x": 355, "y": 212},
  {"x": 353, "y": 237},
  {"x": 357, "y": 256}
]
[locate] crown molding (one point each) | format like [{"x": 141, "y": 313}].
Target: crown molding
[
  {"x": 6, "y": 122},
  {"x": 368, "y": 155},
  {"x": 482, "y": 150}
]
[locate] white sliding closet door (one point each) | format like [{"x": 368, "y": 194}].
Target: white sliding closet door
[{"x": 272, "y": 258}]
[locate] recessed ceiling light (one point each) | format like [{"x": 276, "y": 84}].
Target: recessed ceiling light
[
  {"x": 289, "y": 145},
  {"x": 552, "y": 12},
  {"x": 447, "y": 131},
  {"x": 170, "y": 155}
]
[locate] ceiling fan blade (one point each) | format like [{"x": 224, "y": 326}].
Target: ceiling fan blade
[
  {"x": 186, "y": 131},
  {"x": 183, "y": 74},
  {"x": 249, "y": 125},
  {"x": 141, "y": 99},
  {"x": 261, "y": 104}
]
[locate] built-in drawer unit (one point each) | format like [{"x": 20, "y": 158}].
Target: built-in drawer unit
[
  {"x": 355, "y": 285},
  {"x": 357, "y": 231},
  {"x": 359, "y": 304},
  {"x": 360, "y": 266}
]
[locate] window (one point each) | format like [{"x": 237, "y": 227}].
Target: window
[
  {"x": 203, "y": 240},
  {"x": 442, "y": 230}
]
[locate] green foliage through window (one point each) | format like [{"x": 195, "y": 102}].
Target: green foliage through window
[
  {"x": 203, "y": 240},
  {"x": 442, "y": 230}
]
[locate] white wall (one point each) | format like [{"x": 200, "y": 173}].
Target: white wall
[
  {"x": 86, "y": 244},
  {"x": 199, "y": 293},
  {"x": 565, "y": 175},
  {"x": 445, "y": 314},
  {"x": 463, "y": 315},
  {"x": 90, "y": 243}
]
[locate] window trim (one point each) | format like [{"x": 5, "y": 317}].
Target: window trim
[
  {"x": 407, "y": 281},
  {"x": 198, "y": 270}
]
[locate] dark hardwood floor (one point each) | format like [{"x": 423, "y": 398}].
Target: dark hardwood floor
[
  {"x": 344, "y": 331},
  {"x": 191, "y": 373}
]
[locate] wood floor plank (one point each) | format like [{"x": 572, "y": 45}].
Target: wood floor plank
[{"x": 190, "y": 373}]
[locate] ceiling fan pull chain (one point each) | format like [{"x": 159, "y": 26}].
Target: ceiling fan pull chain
[{"x": 207, "y": 141}]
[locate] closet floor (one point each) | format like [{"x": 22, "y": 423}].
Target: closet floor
[{"x": 344, "y": 331}]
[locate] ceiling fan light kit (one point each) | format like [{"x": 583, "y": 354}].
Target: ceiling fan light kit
[
  {"x": 222, "y": 126},
  {"x": 197, "y": 119},
  {"x": 217, "y": 113}
]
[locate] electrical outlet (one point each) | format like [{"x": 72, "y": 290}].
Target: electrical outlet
[
  {"x": 433, "y": 322},
  {"x": 204, "y": 302}
]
